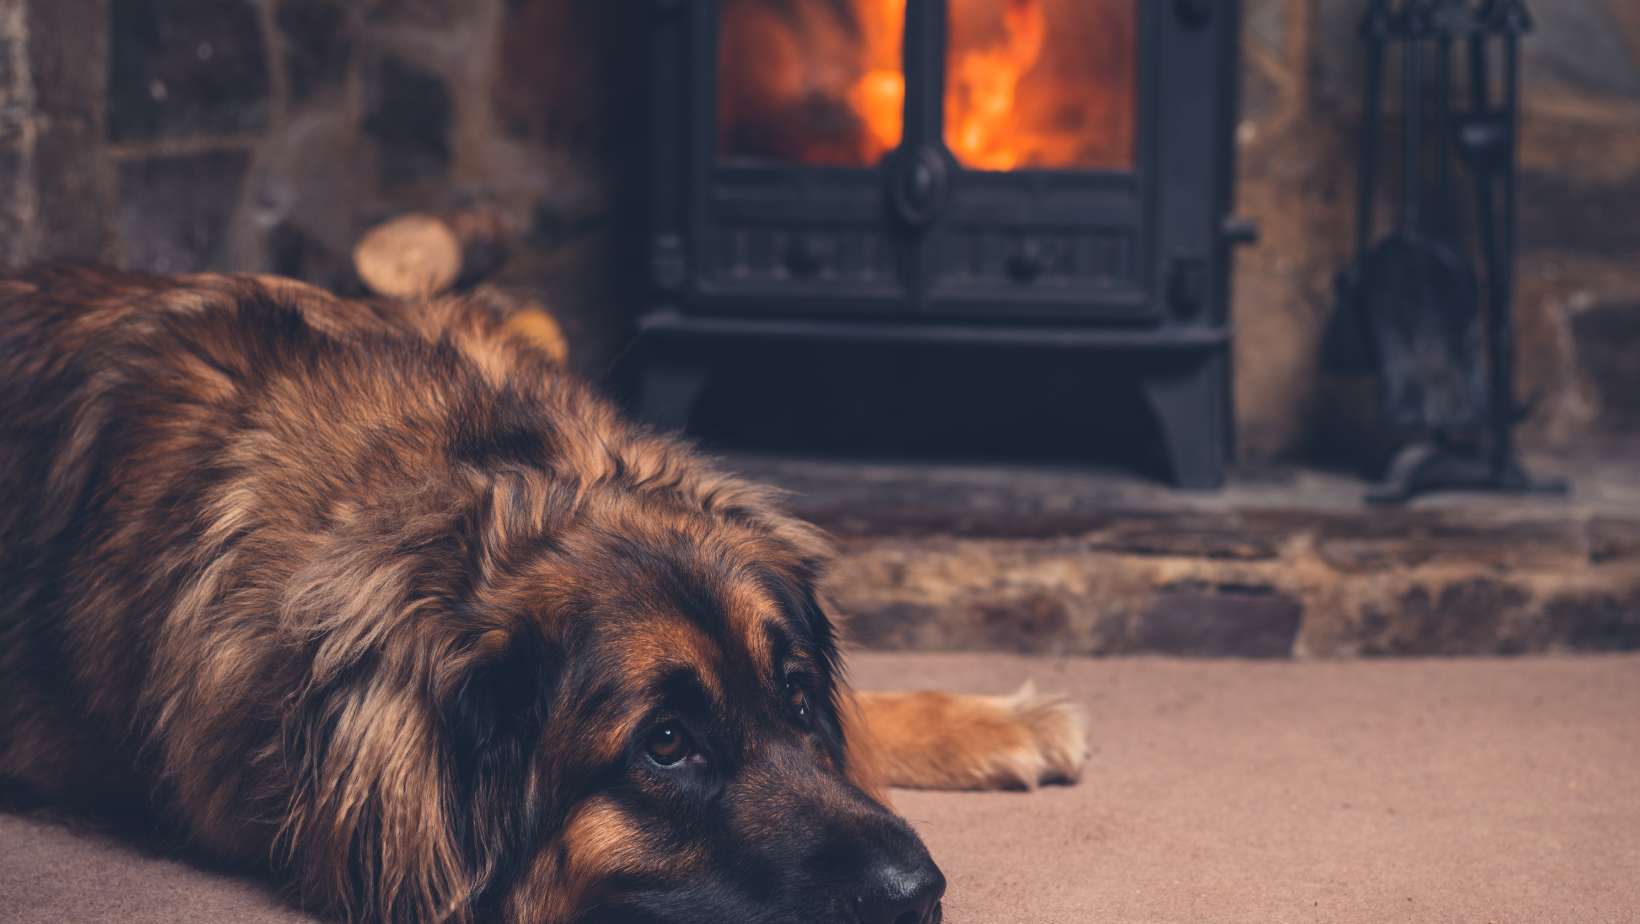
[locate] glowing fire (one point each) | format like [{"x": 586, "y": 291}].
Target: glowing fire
[
  {"x": 811, "y": 82},
  {"x": 1041, "y": 83},
  {"x": 1028, "y": 83},
  {"x": 979, "y": 99},
  {"x": 878, "y": 98}
]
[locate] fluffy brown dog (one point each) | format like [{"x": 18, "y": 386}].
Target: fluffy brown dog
[{"x": 380, "y": 597}]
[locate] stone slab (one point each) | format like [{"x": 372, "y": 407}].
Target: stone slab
[{"x": 1280, "y": 563}]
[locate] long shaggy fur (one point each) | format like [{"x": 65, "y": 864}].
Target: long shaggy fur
[{"x": 382, "y": 597}]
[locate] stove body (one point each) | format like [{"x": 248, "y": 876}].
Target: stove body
[{"x": 858, "y": 170}]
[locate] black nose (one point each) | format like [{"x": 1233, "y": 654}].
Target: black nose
[{"x": 896, "y": 894}]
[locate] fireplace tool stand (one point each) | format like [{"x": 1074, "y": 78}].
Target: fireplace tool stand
[{"x": 1407, "y": 308}]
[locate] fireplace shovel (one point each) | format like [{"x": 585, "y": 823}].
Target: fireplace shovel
[
  {"x": 1418, "y": 298},
  {"x": 1346, "y": 344}
]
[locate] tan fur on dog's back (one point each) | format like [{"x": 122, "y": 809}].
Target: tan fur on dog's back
[{"x": 260, "y": 545}]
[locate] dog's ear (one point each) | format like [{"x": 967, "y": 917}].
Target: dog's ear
[
  {"x": 494, "y": 704},
  {"x": 491, "y": 697}
]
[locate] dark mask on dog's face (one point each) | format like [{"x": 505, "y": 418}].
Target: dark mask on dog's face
[{"x": 664, "y": 741}]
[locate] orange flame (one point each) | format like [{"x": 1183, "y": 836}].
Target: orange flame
[
  {"x": 822, "y": 82},
  {"x": 811, "y": 81},
  {"x": 878, "y": 97},
  {"x": 979, "y": 100}
]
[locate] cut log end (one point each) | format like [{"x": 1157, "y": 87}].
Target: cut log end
[{"x": 412, "y": 256}]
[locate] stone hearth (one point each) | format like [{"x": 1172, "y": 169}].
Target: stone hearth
[{"x": 1283, "y": 563}]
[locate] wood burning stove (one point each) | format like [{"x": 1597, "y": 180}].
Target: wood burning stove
[{"x": 1040, "y": 173}]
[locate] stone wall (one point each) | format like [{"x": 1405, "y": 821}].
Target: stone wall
[
  {"x": 179, "y": 135},
  {"x": 1090, "y": 562},
  {"x": 267, "y": 135},
  {"x": 55, "y": 188}
]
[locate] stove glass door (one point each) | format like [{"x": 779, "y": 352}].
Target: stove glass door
[
  {"x": 810, "y": 82},
  {"x": 1033, "y": 84}
]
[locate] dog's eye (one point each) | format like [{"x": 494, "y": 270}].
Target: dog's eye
[
  {"x": 798, "y": 699},
  {"x": 667, "y": 745}
]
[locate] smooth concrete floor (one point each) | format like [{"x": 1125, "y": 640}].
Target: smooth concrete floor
[{"x": 1470, "y": 790}]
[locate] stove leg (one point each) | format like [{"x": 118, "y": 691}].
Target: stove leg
[
  {"x": 671, "y": 386},
  {"x": 1190, "y": 396}
]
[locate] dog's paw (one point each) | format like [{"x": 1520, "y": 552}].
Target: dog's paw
[
  {"x": 1035, "y": 738},
  {"x": 935, "y": 740}
]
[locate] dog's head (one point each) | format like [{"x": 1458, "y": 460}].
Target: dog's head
[{"x": 641, "y": 719}]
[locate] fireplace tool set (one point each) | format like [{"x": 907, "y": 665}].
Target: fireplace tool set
[{"x": 1408, "y": 308}]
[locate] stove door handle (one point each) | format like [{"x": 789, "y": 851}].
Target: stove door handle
[{"x": 918, "y": 186}]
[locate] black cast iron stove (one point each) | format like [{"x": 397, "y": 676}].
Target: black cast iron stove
[{"x": 1050, "y": 174}]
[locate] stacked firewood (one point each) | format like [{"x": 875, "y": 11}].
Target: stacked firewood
[{"x": 421, "y": 255}]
